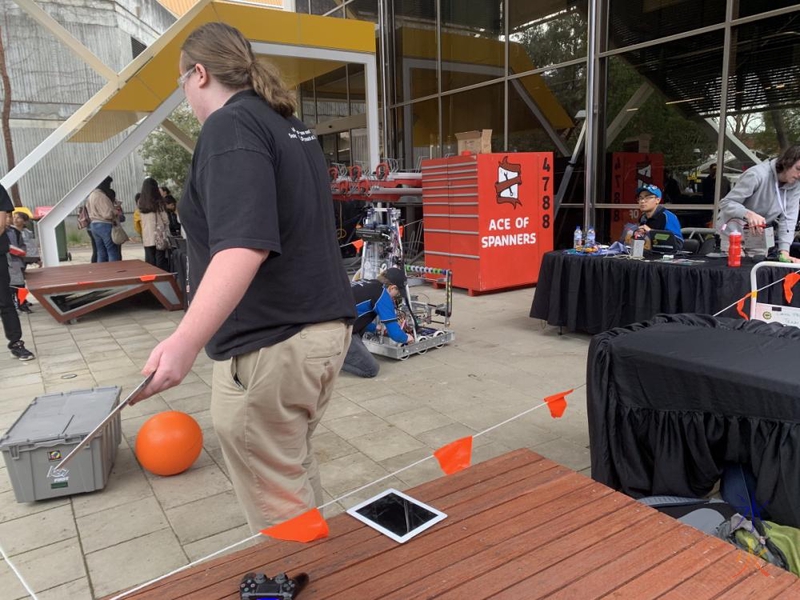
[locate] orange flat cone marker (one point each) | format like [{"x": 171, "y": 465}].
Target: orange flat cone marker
[
  {"x": 557, "y": 404},
  {"x": 22, "y": 295},
  {"x": 304, "y": 528},
  {"x": 788, "y": 284},
  {"x": 740, "y": 308},
  {"x": 455, "y": 456},
  {"x": 358, "y": 244}
]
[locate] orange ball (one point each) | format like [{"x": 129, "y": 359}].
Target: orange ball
[{"x": 168, "y": 443}]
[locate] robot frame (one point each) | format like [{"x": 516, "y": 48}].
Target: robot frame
[{"x": 381, "y": 234}]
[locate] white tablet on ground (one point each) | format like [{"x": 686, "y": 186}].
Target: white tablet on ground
[{"x": 396, "y": 515}]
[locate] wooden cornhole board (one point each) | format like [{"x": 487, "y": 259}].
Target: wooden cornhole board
[{"x": 72, "y": 291}]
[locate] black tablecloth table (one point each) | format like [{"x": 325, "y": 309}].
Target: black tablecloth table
[
  {"x": 595, "y": 293},
  {"x": 671, "y": 400}
]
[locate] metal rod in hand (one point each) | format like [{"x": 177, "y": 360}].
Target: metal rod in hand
[{"x": 93, "y": 434}]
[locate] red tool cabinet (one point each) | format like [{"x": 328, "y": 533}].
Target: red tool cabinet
[{"x": 488, "y": 217}]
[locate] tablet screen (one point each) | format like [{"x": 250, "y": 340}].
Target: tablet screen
[{"x": 397, "y": 515}]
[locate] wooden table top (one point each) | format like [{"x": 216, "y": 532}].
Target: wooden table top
[
  {"x": 94, "y": 273},
  {"x": 518, "y": 526}
]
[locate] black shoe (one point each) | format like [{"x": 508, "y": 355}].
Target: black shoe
[
  {"x": 26, "y": 308},
  {"x": 18, "y": 350}
]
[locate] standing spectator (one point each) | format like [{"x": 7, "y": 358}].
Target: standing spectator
[
  {"x": 766, "y": 195},
  {"x": 172, "y": 213},
  {"x": 103, "y": 215},
  {"x": 171, "y": 205},
  {"x": 155, "y": 224},
  {"x": 672, "y": 189},
  {"x": 137, "y": 215},
  {"x": 18, "y": 252},
  {"x": 120, "y": 215},
  {"x": 21, "y": 220},
  {"x": 8, "y": 312},
  {"x": 710, "y": 183},
  {"x": 270, "y": 297}
]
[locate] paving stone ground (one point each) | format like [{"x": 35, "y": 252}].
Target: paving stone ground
[{"x": 141, "y": 525}]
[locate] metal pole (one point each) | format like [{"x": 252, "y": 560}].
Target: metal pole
[
  {"x": 723, "y": 108},
  {"x": 384, "y": 47},
  {"x": 590, "y": 154}
]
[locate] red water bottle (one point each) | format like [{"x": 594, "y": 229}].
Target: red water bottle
[{"x": 735, "y": 249}]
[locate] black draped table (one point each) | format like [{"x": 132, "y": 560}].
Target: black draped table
[
  {"x": 671, "y": 400},
  {"x": 595, "y": 293}
]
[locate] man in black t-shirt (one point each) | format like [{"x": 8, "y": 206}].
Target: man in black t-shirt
[
  {"x": 8, "y": 311},
  {"x": 270, "y": 299}
]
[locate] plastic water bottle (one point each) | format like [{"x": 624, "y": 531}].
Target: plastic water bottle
[
  {"x": 590, "y": 238},
  {"x": 577, "y": 239},
  {"x": 735, "y": 249}
]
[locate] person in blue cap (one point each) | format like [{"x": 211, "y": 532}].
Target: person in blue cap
[
  {"x": 655, "y": 217},
  {"x": 375, "y": 303}
]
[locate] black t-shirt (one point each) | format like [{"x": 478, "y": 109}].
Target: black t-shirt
[
  {"x": 259, "y": 180},
  {"x": 5, "y": 206}
]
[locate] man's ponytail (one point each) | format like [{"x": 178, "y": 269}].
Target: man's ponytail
[
  {"x": 267, "y": 84},
  {"x": 228, "y": 57}
]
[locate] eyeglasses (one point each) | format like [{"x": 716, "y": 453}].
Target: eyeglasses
[
  {"x": 183, "y": 78},
  {"x": 646, "y": 198}
]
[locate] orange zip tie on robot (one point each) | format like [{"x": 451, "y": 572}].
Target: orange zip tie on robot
[
  {"x": 303, "y": 528},
  {"x": 788, "y": 283},
  {"x": 455, "y": 456}
]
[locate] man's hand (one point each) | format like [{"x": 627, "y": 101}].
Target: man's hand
[
  {"x": 754, "y": 220},
  {"x": 171, "y": 361},
  {"x": 784, "y": 257},
  {"x": 410, "y": 338}
]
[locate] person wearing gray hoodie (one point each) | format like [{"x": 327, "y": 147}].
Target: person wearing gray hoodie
[{"x": 766, "y": 194}]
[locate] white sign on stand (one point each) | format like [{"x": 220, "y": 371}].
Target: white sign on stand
[
  {"x": 772, "y": 313},
  {"x": 786, "y": 315}
]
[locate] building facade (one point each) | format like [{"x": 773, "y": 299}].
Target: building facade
[
  {"x": 49, "y": 83},
  {"x": 520, "y": 68}
]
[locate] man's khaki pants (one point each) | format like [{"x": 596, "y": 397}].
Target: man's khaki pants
[{"x": 265, "y": 406}]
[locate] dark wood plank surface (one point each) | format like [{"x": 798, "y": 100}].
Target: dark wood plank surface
[
  {"x": 90, "y": 273},
  {"x": 518, "y": 526}
]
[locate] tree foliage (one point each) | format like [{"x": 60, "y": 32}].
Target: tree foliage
[{"x": 165, "y": 160}]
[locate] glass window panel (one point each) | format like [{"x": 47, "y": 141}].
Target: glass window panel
[
  {"x": 481, "y": 108},
  {"x": 321, "y": 7},
  {"x": 417, "y": 132},
  {"x": 748, "y": 8},
  {"x": 636, "y": 21},
  {"x": 332, "y": 95},
  {"x": 553, "y": 98},
  {"x": 663, "y": 137},
  {"x": 328, "y": 143},
  {"x": 308, "y": 109},
  {"x": 358, "y": 96},
  {"x": 546, "y": 33},
  {"x": 473, "y": 42},
  {"x": 363, "y": 10},
  {"x": 343, "y": 148},
  {"x": 415, "y": 49},
  {"x": 763, "y": 92}
]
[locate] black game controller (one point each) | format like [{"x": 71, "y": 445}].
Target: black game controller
[{"x": 257, "y": 586}]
